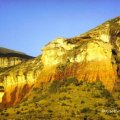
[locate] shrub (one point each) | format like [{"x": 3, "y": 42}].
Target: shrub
[
  {"x": 6, "y": 114},
  {"x": 1, "y": 110},
  {"x": 36, "y": 98},
  {"x": 1, "y": 89},
  {"x": 50, "y": 111},
  {"x": 64, "y": 104},
  {"x": 65, "y": 98},
  {"x": 82, "y": 102},
  {"x": 110, "y": 102},
  {"x": 18, "y": 112},
  {"x": 71, "y": 80},
  {"x": 85, "y": 110},
  {"x": 105, "y": 93},
  {"x": 17, "y": 106},
  {"x": 73, "y": 114},
  {"x": 2, "y": 113},
  {"x": 99, "y": 85},
  {"x": 64, "y": 89},
  {"x": 96, "y": 95},
  {"x": 55, "y": 86},
  {"x": 85, "y": 117}
]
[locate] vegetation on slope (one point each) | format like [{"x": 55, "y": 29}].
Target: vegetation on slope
[{"x": 67, "y": 100}]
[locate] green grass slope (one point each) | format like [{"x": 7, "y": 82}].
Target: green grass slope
[{"x": 67, "y": 100}]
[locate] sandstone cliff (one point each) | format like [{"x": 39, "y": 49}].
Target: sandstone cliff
[
  {"x": 17, "y": 81},
  {"x": 92, "y": 56},
  {"x": 10, "y": 58}
]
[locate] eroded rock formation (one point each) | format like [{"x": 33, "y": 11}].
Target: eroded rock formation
[
  {"x": 92, "y": 56},
  {"x": 19, "y": 80},
  {"x": 8, "y": 60}
]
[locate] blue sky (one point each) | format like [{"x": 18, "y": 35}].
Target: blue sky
[{"x": 27, "y": 25}]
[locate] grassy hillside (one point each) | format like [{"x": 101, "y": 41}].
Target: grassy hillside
[{"x": 67, "y": 100}]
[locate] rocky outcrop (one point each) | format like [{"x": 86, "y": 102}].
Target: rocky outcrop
[
  {"x": 91, "y": 56},
  {"x": 11, "y": 76},
  {"x": 54, "y": 52},
  {"x": 18, "y": 81},
  {"x": 10, "y": 58},
  {"x": 89, "y": 60},
  {"x": 10, "y": 61}
]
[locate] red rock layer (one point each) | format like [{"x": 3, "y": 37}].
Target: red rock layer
[
  {"x": 14, "y": 95},
  {"x": 86, "y": 71}
]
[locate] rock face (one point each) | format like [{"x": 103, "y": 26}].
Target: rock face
[
  {"x": 10, "y": 58},
  {"x": 91, "y": 60},
  {"x": 18, "y": 81},
  {"x": 10, "y": 61},
  {"x": 92, "y": 56}
]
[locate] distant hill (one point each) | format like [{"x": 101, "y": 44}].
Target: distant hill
[
  {"x": 10, "y": 58},
  {"x": 5, "y": 52}
]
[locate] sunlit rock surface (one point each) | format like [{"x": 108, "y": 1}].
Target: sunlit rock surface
[{"x": 92, "y": 56}]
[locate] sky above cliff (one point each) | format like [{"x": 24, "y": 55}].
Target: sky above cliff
[{"x": 27, "y": 25}]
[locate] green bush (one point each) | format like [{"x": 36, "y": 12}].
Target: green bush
[
  {"x": 110, "y": 102},
  {"x": 50, "y": 111},
  {"x": 2, "y": 113},
  {"x": 98, "y": 85},
  {"x": 64, "y": 104},
  {"x": 96, "y": 95},
  {"x": 85, "y": 110},
  {"x": 71, "y": 80},
  {"x": 82, "y": 101},
  {"x": 105, "y": 93},
  {"x": 18, "y": 112},
  {"x": 6, "y": 114},
  {"x": 57, "y": 85},
  {"x": 36, "y": 98}
]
